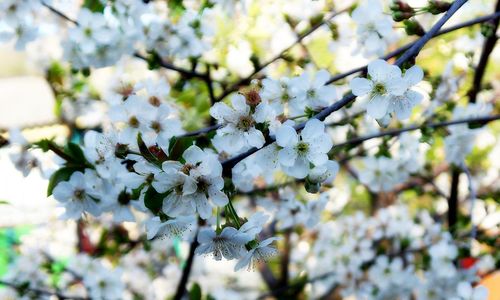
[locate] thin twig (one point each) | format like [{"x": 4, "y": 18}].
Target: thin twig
[
  {"x": 480, "y": 69},
  {"x": 181, "y": 287},
  {"x": 395, "y": 132},
  {"x": 495, "y": 16}
]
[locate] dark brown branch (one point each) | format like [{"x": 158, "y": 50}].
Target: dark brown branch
[
  {"x": 488, "y": 46},
  {"x": 181, "y": 287},
  {"x": 409, "y": 54},
  {"x": 453, "y": 200},
  {"x": 395, "y": 132},
  {"x": 495, "y": 16}
]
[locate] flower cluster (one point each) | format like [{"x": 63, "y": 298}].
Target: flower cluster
[
  {"x": 383, "y": 173},
  {"x": 17, "y": 22},
  {"x": 389, "y": 255}
]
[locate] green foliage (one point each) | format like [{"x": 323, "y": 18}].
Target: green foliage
[
  {"x": 176, "y": 7},
  {"x": 94, "y": 5},
  {"x": 154, "y": 200},
  {"x": 72, "y": 153},
  {"x": 63, "y": 174},
  {"x": 195, "y": 292}
]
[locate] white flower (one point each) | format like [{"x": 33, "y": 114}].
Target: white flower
[
  {"x": 238, "y": 122},
  {"x": 466, "y": 292},
  {"x": 299, "y": 151},
  {"x": 228, "y": 244},
  {"x": 459, "y": 143},
  {"x": 74, "y": 195},
  {"x": 259, "y": 253},
  {"x": 402, "y": 105},
  {"x": 170, "y": 228},
  {"x": 276, "y": 93},
  {"x": 158, "y": 125},
  {"x": 374, "y": 30},
  {"x": 192, "y": 183},
  {"x": 384, "y": 83},
  {"x": 379, "y": 173},
  {"x": 311, "y": 92}
]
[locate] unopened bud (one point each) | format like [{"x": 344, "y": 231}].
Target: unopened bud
[
  {"x": 399, "y": 16},
  {"x": 401, "y": 6},
  {"x": 488, "y": 29},
  {"x": 412, "y": 27},
  {"x": 437, "y": 7},
  {"x": 158, "y": 153},
  {"x": 252, "y": 97}
]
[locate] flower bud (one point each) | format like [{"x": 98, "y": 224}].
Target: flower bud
[
  {"x": 399, "y": 16},
  {"x": 437, "y": 7},
  {"x": 401, "y": 6},
  {"x": 252, "y": 97},
  {"x": 488, "y": 29},
  {"x": 412, "y": 27}
]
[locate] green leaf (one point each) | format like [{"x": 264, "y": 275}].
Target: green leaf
[
  {"x": 153, "y": 200},
  {"x": 43, "y": 144},
  {"x": 176, "y": 7},
  {"x": 94, "y": 5},
  {"x": 4, "y": 202},
  {"x": 76, "y": 152},
  {"x": 171, "y": 144},
  {"x": 62, "y": 174},
  {"x": 145, "y": 151},
  {"x": 195, "y": 292}
]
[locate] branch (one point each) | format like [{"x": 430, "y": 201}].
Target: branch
[
  {"x": 495, "y": 16},
  {"x": 181, "y": 287},
  {"x": 488, "y": 46},
  {"x": 395, "y": 132},
  {"x": 348, "y": 98},
  {"x": 453, "y": 200},
  {"x": 299, "y": 39},
  {"x": 39, "y": 291}
]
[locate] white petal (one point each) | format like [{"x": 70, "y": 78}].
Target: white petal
[
  {"x": 286, "y": 136},
  {"x": 206, "y": 235},
  {"x": 240, "y": 104},
  {"x": 255, "y": 138},
  {"x": 413, "y": 75},
  {"x": 379, "y": 70},
  {"x": 314, "y": 127},
  {"x": 361, "y": 86},
  {"x": 287, "y": 157},
  {"x": 218, "y": 197},
  {"x": 245, "y": 261},
  {"x": 194, "y": 155},
  {"x": 377, "y": 106}
]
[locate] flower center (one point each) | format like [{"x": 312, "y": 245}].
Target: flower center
[
  {"x": 79, "y": 194},
  {"x": 245, "y": 123},
  {"x": 156, "y": 126},
  {"x": 155, "y": 101},
  {"x": 202, "y": 185},
  {"x": 379, "y": 89},
  {"x": 186, "y": 168},
  {"x": 311, "y": 93},
  {"x": 133, "y": 122},
  {"x": 302, "y": 148}
]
